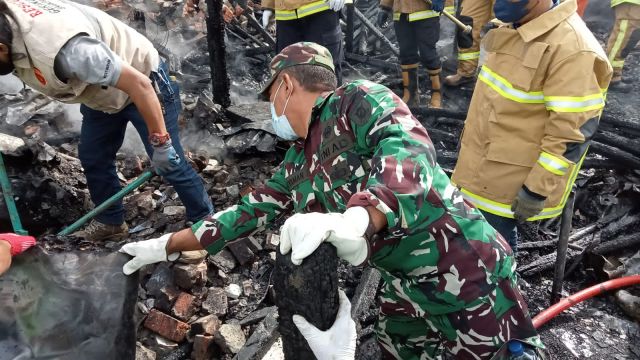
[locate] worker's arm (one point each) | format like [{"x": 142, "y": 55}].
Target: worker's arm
[
  {"x": 574, "y": 93},
  {"x": 255, "y": 210},
  {"x": 91, "y": 61}
]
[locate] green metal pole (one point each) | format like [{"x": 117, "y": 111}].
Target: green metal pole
[
  {"x": 100, "y": 208},
  {"x": 8, "y": 199}
]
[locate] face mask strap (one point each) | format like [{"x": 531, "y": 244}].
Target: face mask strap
[{"x": 276, "y": 94}]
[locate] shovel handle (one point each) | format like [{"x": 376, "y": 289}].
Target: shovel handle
[{"x": 465, "y": 28}]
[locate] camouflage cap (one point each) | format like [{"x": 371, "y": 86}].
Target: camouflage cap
[{"x": 298, "y": 54}]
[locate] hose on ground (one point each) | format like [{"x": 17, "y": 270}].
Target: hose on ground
[{"x": 562, "y": 305}]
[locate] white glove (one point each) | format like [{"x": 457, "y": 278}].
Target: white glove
[
  {"x": 266, "y": 16},
  {"x": 336, "y": 5},
  {"x": 337, "y": 343},
  {"x": 147, "y": 252},
  {"x": 303, "y": 233}
]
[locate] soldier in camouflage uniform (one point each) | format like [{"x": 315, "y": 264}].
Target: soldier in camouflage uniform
[{"x": 363, "y": 176}]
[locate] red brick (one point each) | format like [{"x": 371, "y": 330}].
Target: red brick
[
  {"x": 183, "y": 308},
  {"x": 167, "y": 326},
  {"x": 202, "y": 348}
]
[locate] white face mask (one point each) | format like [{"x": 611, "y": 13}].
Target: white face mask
[{"x": 281, "y": 124}]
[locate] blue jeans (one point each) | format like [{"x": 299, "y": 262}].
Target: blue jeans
[
  {"x": 101, "y": 137},
  {"x": 506, "y": 227}
]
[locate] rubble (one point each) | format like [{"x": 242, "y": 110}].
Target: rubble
[
  {"x": 188, "y": 275},
  {"x": 216, "y": 302},
  {"x": 184, "y": 307},
  {"x": 207, "y": 325},
  {"x": 166, "y": 326},
  {"x": 142, "y": 353},
  {"x": 230, "y": 338}
]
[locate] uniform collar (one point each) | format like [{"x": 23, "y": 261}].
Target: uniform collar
[{"x": 547, "y": 21}]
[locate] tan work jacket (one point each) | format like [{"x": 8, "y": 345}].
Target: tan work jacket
[
  {"x": 46, "y": 26},
  {"x": 618, "y": 2},
  {"x": 536, "y": 105},
  {"x": 296, "y": 9},
  {"x": 417, "y": 9}
]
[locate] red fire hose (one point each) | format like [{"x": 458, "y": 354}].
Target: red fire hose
[{"x": 582, "y": 295}]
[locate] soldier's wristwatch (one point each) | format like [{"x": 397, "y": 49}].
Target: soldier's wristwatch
[{"x": 157, "y": 139}]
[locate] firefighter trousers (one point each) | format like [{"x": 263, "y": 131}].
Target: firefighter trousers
[{"x": 624, "y": 36}]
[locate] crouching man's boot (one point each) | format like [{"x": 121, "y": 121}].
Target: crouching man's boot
[
  {"x": 410, "y": 84},
  {"x": 97, "y": 231},
  {"x": 436, "y": 94}
]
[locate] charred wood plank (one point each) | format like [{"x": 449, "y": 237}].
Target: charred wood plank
[
  {"x": 626, "y": 242},
  {"x": 376, "y": 31},
  {"x": 348, "y": 39},
  {"x": 444, "y": 113},
  {"x": 265, "y": 34},
  {"x": 607, "y": 119},
  {"x": 371, "y": 61},
  {"x": 615, "y": 154},
  {"x": 631, "y": 146},
  {"x": 217, "y": 50},
  {"x": 309, "y": 290}
]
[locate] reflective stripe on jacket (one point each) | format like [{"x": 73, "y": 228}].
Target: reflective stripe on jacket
[
  {"x": 618, "y": 2},
  {"x": 296, "y": 9},
  {"x": 535, "y": 107},
  {"x": 417, "y": 9}
]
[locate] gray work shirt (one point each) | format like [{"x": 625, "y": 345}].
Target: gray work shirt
[{"x": 88, "y": 60}]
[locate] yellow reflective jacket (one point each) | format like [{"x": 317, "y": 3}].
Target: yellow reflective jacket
[
  {"x": 296, "y": 9},
  {"x": 618, "y": 2},
  {"x": 417, "y": 9},
  {"x": 536, "y": 105}
]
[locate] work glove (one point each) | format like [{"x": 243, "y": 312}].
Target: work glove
[
  {"x": 337, "y": 343},
  {"x": 336, "y": 5},
  {"x": 18, "y": 243},
  {"x": 527, "y": 204},
  {"x": 384, "y": 14},
  {"x": 147, "y": 252},
  {"x": 266, "y": 17},
  {"x": 165, "y": 159},
  {"x": 303, "y": 233},
  {"x": 437, "y": 5}
]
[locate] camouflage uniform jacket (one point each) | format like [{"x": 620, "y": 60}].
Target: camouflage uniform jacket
[{"x": 364, "y": 148}]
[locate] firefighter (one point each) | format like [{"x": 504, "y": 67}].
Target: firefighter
[
  {"x": 623, "y": 39},
  {"x": 12, "y": 245},
  {"x": 534, "y": 110},
  {"x": 362, "y": 170},
  {"x": 116, "y": 74},
  {"x": 475, "y": 13},
  {"x": 307, "y": 20},
  {"x": 417, "y": 27}
]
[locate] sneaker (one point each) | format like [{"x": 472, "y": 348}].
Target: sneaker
[{"x": 97, "y": 231}]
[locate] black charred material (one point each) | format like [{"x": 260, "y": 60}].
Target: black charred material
[
  {"x": 563, "y": 244},
  {"x": 616, "y": 154},
  {"x": 215, "y": 40},
  {"x": 348, "y": 39},
  {"x": 309, "y": 290},
  {"x": 265, "y": 34},
  {"x": 630, "y": 145},
  {"x": 372, "y": 61},
  {"x": 376, "y": 31}
]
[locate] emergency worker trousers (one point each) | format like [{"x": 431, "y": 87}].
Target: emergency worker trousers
[
  {"x": 102, "y": 135},
  {"x": 624, "y": 36},
  {"x": 478, "y": 332},
  {"x": 321, "y": 28},
  {"x": 481, "y": 12},
  {"x": 417, "y": 41}
]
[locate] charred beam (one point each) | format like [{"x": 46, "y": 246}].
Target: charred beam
[
  {"x": 631, "y": 146},
  {"x": 265, "y": 34},
  {"x": 563, "y": 245},
  {"x": 371, "y": 61},
  {"x": 376, "y": 31},
  {"x": 217, "y": 51},
  {"x": 627, "y": 242},
  {"x": 616, "y": 154},
  {"x": 348, "y": 39}
]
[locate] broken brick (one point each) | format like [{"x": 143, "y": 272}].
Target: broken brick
[
  {"x": 206, "y": 325},
  {"x": 223, "y": 260},
  {"x": 187, "y": 276},
  {"x": 216, "y": 302},
  {"x": 142, "y": 353},
  {"x": 202, "y": 347},
  {"x": 166, "y": 326},
  {"x": 184, "y": 308},
  {"x": 166, "y": 297},
  {"x": 230, "y": 338}
]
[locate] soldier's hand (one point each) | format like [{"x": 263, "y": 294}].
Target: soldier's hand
[
  {"x": 337, "y": 343},
  {"x": 303, "y": 233},
  {"x": 384, "y": 14},
  {"x": 147, "y": 252},
  {"x": 527, "y": 204}
]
